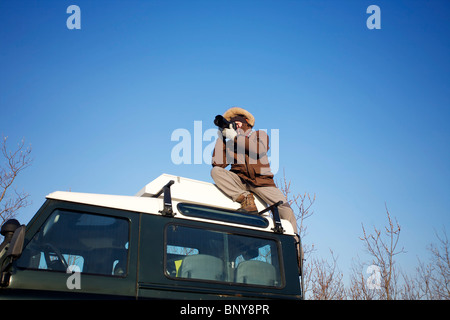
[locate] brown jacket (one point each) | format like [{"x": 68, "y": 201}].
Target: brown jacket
[{"x": 247, "y": 155}]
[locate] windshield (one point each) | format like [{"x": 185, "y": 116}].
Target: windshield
[{"x": 94, "y": 243}]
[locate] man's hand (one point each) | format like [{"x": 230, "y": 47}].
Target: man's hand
[{"x": 229, "y": 133}]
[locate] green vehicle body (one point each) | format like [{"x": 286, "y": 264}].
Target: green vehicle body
[{"x": 129, "y": 254}]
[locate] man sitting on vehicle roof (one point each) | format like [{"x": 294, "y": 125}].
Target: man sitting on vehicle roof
[{"x": 246, "y": 151}]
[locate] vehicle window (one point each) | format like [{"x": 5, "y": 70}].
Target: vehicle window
[
  {"x": 199, "y": 254},
  {"x": 206, "y": 212},
  {"x": 94, "y": 243}
]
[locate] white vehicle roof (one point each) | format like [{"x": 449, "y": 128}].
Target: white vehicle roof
[{"x": 183, "y": 190}]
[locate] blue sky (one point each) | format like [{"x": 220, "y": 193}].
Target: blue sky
[{"x": 362, "y": 114}]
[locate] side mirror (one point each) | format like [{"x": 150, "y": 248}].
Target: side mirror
[
  {"x": 16, "y": 244},
  {"x": 12, "y": 253},
  {"x": 7, "y": 230}
]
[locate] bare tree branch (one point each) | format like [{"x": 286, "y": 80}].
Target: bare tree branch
[
  {"x": 301, "y": 205},
  {"x": 11, "y": 164},
  {"x": 323, "y": 280},
  {"x": 326, "y": 280},
  {"x": 382, "y": 247}
]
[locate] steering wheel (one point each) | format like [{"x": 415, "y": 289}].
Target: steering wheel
[{"x": 57, "y": 252}]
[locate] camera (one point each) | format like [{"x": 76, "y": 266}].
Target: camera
[{"x": 223, "y": 123}]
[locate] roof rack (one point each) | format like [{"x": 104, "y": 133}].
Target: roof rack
[
  {"x": 167, "y": 209},
  {"x": 278, "y": 228}
]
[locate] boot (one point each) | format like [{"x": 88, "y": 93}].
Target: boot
[{"x": 247, "y": 203}]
